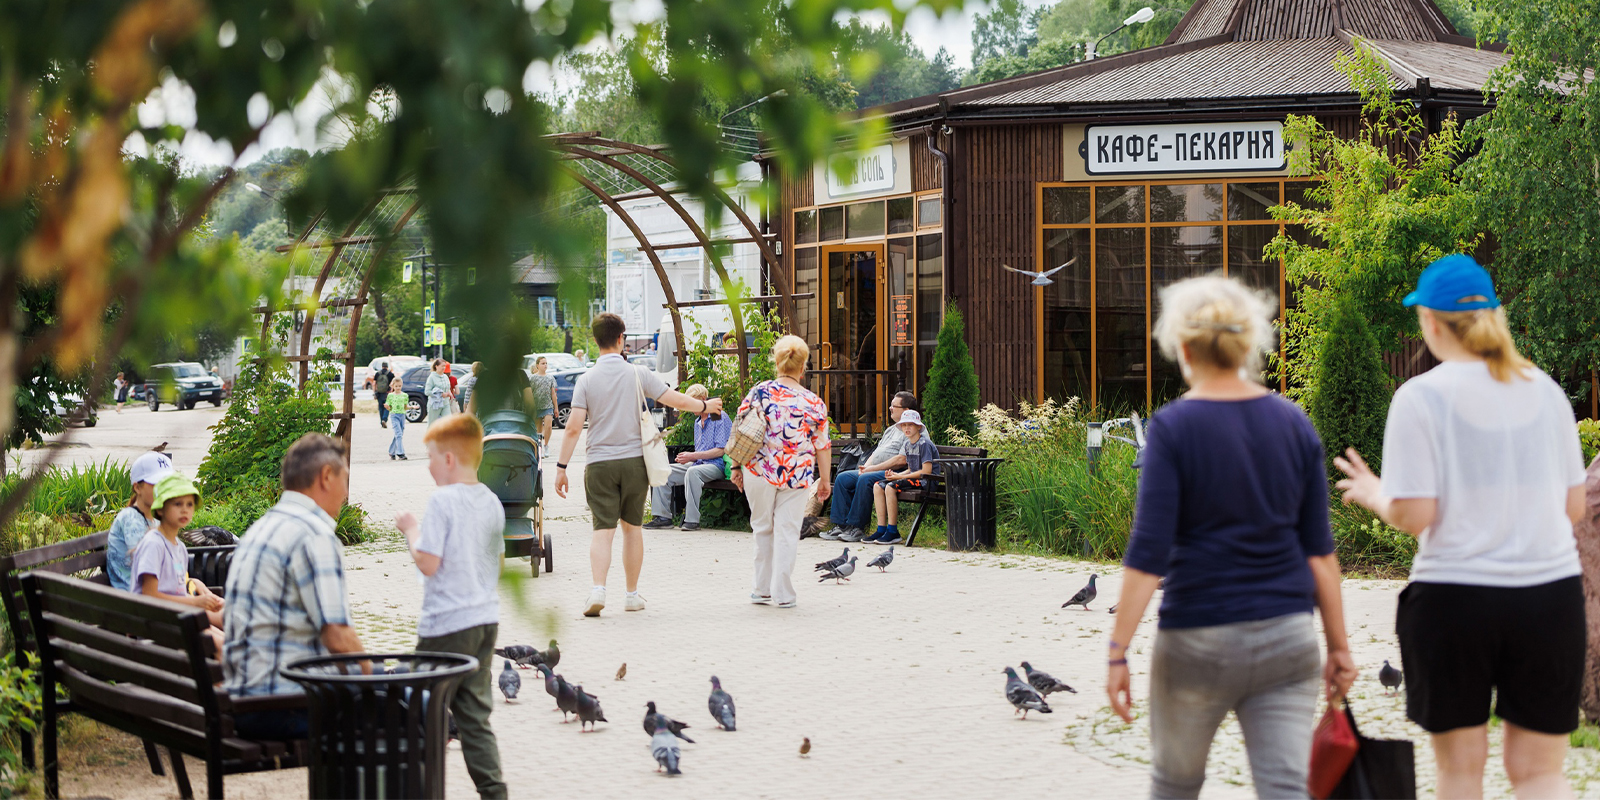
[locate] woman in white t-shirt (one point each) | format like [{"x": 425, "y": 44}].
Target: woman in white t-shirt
[{"x": 1481, "y": 463}]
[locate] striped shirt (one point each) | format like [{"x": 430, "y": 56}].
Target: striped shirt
[{"x": 286, "y": 582}]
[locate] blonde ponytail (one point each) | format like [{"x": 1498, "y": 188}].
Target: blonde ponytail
[{"x": 1484, "y": 333}]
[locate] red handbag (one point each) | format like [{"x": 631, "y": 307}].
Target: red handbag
[{"x": 1333, "y": 747}]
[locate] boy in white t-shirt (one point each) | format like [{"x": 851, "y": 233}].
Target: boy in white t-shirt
[{"x": 458, "y": 546}]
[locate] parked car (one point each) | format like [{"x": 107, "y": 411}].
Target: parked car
[
  {"x": 559, "y": 362},
  {"x": 182, "y": 384},
  {"x": 566, "y": 381},
  {"x": 65, "y": 404},
  {"x": 412, "y": 382},
  {"x": 397, "y": 364}
]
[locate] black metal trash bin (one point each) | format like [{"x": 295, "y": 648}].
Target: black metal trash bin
[
  {"x": 380, "y": 735},
  {"x": 969, "y": 501}
]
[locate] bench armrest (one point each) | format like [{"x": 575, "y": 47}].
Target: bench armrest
[{"x": 269, "y": 702}]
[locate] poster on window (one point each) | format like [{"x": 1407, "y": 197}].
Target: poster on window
[
  {"x": 900, "y": 320},
  {"x": 626, "y": 296}
]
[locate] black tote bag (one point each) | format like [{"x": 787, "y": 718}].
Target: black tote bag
[{"x": 1384, "y": 769}]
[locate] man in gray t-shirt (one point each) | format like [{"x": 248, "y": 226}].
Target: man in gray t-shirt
[{"x": 610, "y": 397}]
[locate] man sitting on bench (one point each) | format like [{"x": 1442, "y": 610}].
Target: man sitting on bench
[
  {"x": 286, "y": 592},
  {"x": 852, "y": 488},
  {"x": 693, "y": 470}
]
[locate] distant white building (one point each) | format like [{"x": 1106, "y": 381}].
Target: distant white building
[{"x": 633, "y": 291}]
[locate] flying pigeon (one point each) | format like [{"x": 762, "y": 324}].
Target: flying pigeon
[
  {"x": 1085, "y": 596},
  {"x": 566, "y": 698},
  {"x": 1390, "y": 677},
  {"x": 1024, "y": 697},
  {"x": 824, "y": 566},
  {"x": 721, "y": 704},
  {"x": 1044, "y": 682},
  {"x": 588, "y": 709},
  {"x": 664, "y": 748},
  {"x": 523, "y": 654},
  {"x": 841, "y": 573},
  {"x": 622, "y": 671},
  {"x": 1041, "y": 278},
  {"x": 552, "y": 685},
  {"x": 805, "y": 747},
  {"x": 883, "y": 559},
  {"x": 510, "y": 683},
  {"x": 653, "y": 718}
]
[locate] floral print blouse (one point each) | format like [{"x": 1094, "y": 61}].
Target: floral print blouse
[{"x": 797, "y": 428}]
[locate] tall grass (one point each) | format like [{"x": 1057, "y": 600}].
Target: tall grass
[{"x": 92, "y": 489}]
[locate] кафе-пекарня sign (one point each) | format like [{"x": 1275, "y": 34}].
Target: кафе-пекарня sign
[{"x": 1185, "y": 147}]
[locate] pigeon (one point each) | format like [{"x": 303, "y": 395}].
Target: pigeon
[
  {"x": 551, "y": 686},
  {"x": 841, "y": 573},
  {"x": 1044, "y": 682},
  {"x": 588, "y": 709},
  {"x": 1024, "y": 697},
  {"x": 805, "y": 747},
  {"x": 510, "y": 683},
  {"x": 566, "y": 699},
  {"x": 83, "y": 520},
  {"x": 664, "y": 748},
  {"x": 824, "y": 566},
  {"x": 883, "y": 559},
  {"x": 523, "y": 654},
  {"x": 1390, "y": 677},
  {"x": 1085, "y": 596},
  {"x": 653, "y": 718},
  {"x": 552, "y": 656},
  {"x": 721, "y": 704},
  {"x": 1039, "y": 278},
  {"x": 622, "y": 671}
]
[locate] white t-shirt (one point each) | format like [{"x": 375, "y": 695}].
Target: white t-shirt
[
  {"x": 1500, "y": 458},
  {"x": 464, "y": 526}
]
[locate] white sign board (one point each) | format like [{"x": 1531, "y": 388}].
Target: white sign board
[
  {"x": 873, "y": 172},
  {"x": 1183, "y": 147}
]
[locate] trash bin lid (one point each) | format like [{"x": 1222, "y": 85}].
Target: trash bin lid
[{"x": 411, "y": 669}]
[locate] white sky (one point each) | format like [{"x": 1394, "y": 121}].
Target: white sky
[{"x": 173, "y": 102}]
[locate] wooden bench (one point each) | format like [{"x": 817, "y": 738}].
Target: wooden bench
[
  {"x": 933, "y": 492},
  {"x": 85, "y": 557},
  {"x": 145, "y": 666},
  {"x": 725, "y": 485}
]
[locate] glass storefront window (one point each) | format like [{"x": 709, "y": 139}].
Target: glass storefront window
[
  {"x": 928, "y": 212},
  {"x": 806, "y": 282},
  {"x": 1118, "y": 204},
  {"x": 1248, "y": 263},
  {"x": 1120, "y": 322},
  {"x": 899, "y": 326},
  {"x": 1186, "y": 202},
  {"x": 1250, "y": 201},
  {"x": 1066, "y": 205},
  {"x": 930, "y": 301},
  {"x": 900, "y": 209},
  {"x": 864, "y": 219},
  {"x": 805, "y": 227},
  {"x": 1067, "y": 315},
  {"x": 831, "y": 223},
  {"x": 1296, "y": 192}
]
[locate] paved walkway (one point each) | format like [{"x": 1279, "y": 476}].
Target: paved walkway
[{"x": 895, "y": 677}]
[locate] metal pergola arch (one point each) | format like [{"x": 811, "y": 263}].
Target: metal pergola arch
[{"x": 607, "y": 169}]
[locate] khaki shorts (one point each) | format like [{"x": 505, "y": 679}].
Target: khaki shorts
[{"x": 616, "y": 490}]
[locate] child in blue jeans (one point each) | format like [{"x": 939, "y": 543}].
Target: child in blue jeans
[{"x": 920, "y": 453}]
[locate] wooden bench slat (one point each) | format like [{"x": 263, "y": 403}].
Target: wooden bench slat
[
  {"x": 126, "y": 697},
  {"x": 185, "y": 740},
  {"x": 102, "y": 666},
  {"x": 163, "y": 632},
  {"x": 144, "y": 652},
  {"x": 33, "y": 559}
]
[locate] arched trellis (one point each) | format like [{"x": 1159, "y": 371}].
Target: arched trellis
[{"x": 349, "y": 256}]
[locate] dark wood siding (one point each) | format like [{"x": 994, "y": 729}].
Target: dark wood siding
[
  {"x": 996, "y": 223},
  {"x": 793, "y": 192},
  {"x": 925, "y": 168},
  {"x": 1412, "y": 360}
]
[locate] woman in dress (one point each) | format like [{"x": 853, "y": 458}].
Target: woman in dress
[
  {"x": 779, "y": 478},
  {"x": 543, "y": 385},
  {"x": 121, "y": 385}
]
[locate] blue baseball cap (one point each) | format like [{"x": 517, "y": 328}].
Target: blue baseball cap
[{"x": 1454, "y": 283}]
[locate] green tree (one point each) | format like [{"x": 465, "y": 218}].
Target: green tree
[
  {"x": 1046, "y": 55},
  {"x": 1351, "y": 403},
  {"x": 1536, "y": 179},
  {"x": 1088, "y": 20},
  {"x": 950, "y": 401},
  {"x": 1384, "y": 205},
  {"x": 1010, "y": 28}
]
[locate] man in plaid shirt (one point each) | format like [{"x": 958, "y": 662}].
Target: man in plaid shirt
[{"x": 286, "y": 590}]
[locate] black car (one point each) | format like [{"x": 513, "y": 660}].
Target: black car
[
  {"x": 413, "y": 381},
  {"x": 182, "y": 384}
]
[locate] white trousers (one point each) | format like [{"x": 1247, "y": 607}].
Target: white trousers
[{"x": 775, "y": 517}]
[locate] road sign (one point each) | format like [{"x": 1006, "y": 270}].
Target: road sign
[
  {"x": 455, "y": 337},
  {"x": 405, "y": 272},
  {"x": 428, "y": 314},
  {"x": 438, "y": 333}
]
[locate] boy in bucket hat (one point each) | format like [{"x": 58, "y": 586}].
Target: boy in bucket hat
[
  {"x": 161, "y": 562},
  {"x": 919, "y": 452}
]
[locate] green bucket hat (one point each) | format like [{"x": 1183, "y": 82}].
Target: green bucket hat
[{"x": 174, "y": 485}]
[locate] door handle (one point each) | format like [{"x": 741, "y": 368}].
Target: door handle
[{"x": 825, "y": 354}]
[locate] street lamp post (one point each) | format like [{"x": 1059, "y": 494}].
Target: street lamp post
[
  {"x": 1095, "y": 439},
  {"x": 288, "y": 227},
  {"x": 1139, "y": 17}
]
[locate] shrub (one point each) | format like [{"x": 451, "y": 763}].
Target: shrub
[
  {"x": 950, "y": 401},
  {"x": 20, "y": 706},
  {"x": 1589, "y": 437},
  {"x": 1351, "y": 401},
  {"x": 720, "y": 372},
  {"x": 1367, "y": 546},
  {"x": 93, "y": 489}
]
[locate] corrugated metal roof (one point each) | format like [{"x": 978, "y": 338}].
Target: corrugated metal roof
[
  {"x": 1209, "y": 20},
  {"x": 1286, "y": 19},
  {"x": 1235, "y": 69},
  {"x": 1387, "y": 19},
  {"x": 1446, "y": 66}
]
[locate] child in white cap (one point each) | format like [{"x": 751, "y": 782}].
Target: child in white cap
[
  {"x": 161, "y": 562},
  {"x": 132, "y": 522},
  {"x": 920, "y": 452}
]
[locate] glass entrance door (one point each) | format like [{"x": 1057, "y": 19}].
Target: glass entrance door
[{"x": 853, "y": 339}]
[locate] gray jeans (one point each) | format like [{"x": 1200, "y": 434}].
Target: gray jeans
[
  {"x": 693, "y": 478},
  {"x": 1265, "y": 671}
]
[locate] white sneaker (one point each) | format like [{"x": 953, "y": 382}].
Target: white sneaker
[
  {"x": 635, "y": 602},
  {"x": 597, "y": 601}
]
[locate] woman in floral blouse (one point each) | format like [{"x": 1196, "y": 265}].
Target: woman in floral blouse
[{"x": 795, "y": 454}]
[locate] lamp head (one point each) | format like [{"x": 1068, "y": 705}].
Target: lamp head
[
  {"x": 1142, "y": 15},
  {"x": 1096, "y": 437},
  {"x": 254, "y": 188}
]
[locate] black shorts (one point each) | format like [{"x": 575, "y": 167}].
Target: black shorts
[{"x": 1462, "y": 645}]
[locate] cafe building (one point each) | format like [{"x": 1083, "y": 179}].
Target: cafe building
[{"x": 1123, "y": 174}]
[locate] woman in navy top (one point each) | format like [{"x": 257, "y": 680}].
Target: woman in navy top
[{"x": 1233, "y": 513}]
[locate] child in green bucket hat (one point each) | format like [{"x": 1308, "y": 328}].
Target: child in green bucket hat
[{"x": 161, "y": 562}]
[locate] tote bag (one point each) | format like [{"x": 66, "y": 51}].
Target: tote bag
[
  {"x": 656, "y": 464},
  {"x": 749, "y": 435},
  {"x": 1333, "y": 747},
  {"x": 1383, "y": 769}
]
